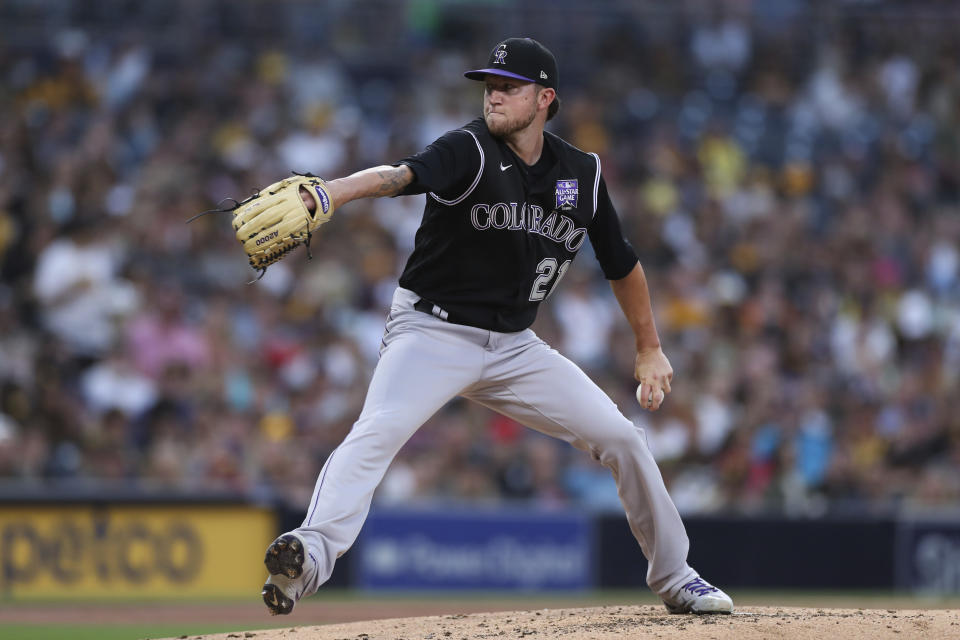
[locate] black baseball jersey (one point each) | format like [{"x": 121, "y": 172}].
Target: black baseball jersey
[{"x": 497, "y": 235}]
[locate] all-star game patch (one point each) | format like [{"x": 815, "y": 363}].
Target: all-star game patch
[{"x": 567, "y": 192}]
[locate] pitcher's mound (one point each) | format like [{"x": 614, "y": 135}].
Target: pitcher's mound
[{"x": 621, "y": 622}]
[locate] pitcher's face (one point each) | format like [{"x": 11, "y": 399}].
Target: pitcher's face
[{"x": 509, "y": 105}]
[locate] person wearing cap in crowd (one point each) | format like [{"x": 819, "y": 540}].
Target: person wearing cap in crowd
[{"x": 508, "y": 207}]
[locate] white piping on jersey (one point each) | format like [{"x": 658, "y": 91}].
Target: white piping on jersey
[
  {"x": 596, "y": 186},
  {"x": 475, "y": 180}
]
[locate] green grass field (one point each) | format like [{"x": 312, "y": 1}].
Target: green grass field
[
  {"x": 335, "y": 606},
  {"x": 104, "y": 632}
]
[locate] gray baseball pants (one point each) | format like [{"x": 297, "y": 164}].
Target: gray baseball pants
[{"x": 424, "y": 362}]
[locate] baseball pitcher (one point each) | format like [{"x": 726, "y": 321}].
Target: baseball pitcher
[{"x": 508, "y": 207}]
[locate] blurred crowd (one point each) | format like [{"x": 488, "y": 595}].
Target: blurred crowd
[{"x": 788, "y": 173}]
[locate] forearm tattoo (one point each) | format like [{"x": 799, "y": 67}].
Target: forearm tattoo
[{"x": 392, "y": 181}]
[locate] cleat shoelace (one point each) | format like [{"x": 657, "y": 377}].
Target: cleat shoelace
[{"x": 699, "y": 587}]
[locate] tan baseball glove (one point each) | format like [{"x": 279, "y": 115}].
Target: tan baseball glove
[{"x": 275, "y": 220}]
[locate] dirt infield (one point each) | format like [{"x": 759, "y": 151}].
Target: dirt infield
[
  {"x": 620, "y": 622},
  {"x": 349, "y": 617}
]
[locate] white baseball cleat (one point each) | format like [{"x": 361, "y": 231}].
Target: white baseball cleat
[
  {"x": 289, "y": 564},
  {"x": 698, "y": 596}
]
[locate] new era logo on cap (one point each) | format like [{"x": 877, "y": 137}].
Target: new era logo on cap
[{"x": 521, "y": 58}]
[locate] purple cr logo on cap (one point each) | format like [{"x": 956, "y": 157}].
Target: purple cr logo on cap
[{"x": 499, "y": 56}]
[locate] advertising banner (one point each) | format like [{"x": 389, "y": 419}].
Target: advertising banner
[
  {"x": 132, "y": 551},
  {"x": 482, "y": 549},
  {"x": 928, "y": 556}
]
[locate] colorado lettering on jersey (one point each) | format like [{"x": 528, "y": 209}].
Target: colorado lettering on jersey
[
  {"x": 495, "y": 236},
  {"x": 560, "y": 228}
]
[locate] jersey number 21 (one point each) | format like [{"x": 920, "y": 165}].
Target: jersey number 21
[{"x": 545, "y": 281}]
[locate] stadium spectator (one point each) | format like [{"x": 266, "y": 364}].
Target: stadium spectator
[{"x": 790, "y": 178}]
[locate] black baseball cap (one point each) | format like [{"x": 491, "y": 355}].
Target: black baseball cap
[{"x": 521, "y": 58}]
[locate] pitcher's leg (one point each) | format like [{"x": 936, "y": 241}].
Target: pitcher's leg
[
  {"x": 419, "y": 371},
  {"x": 543, "y": 390}
]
